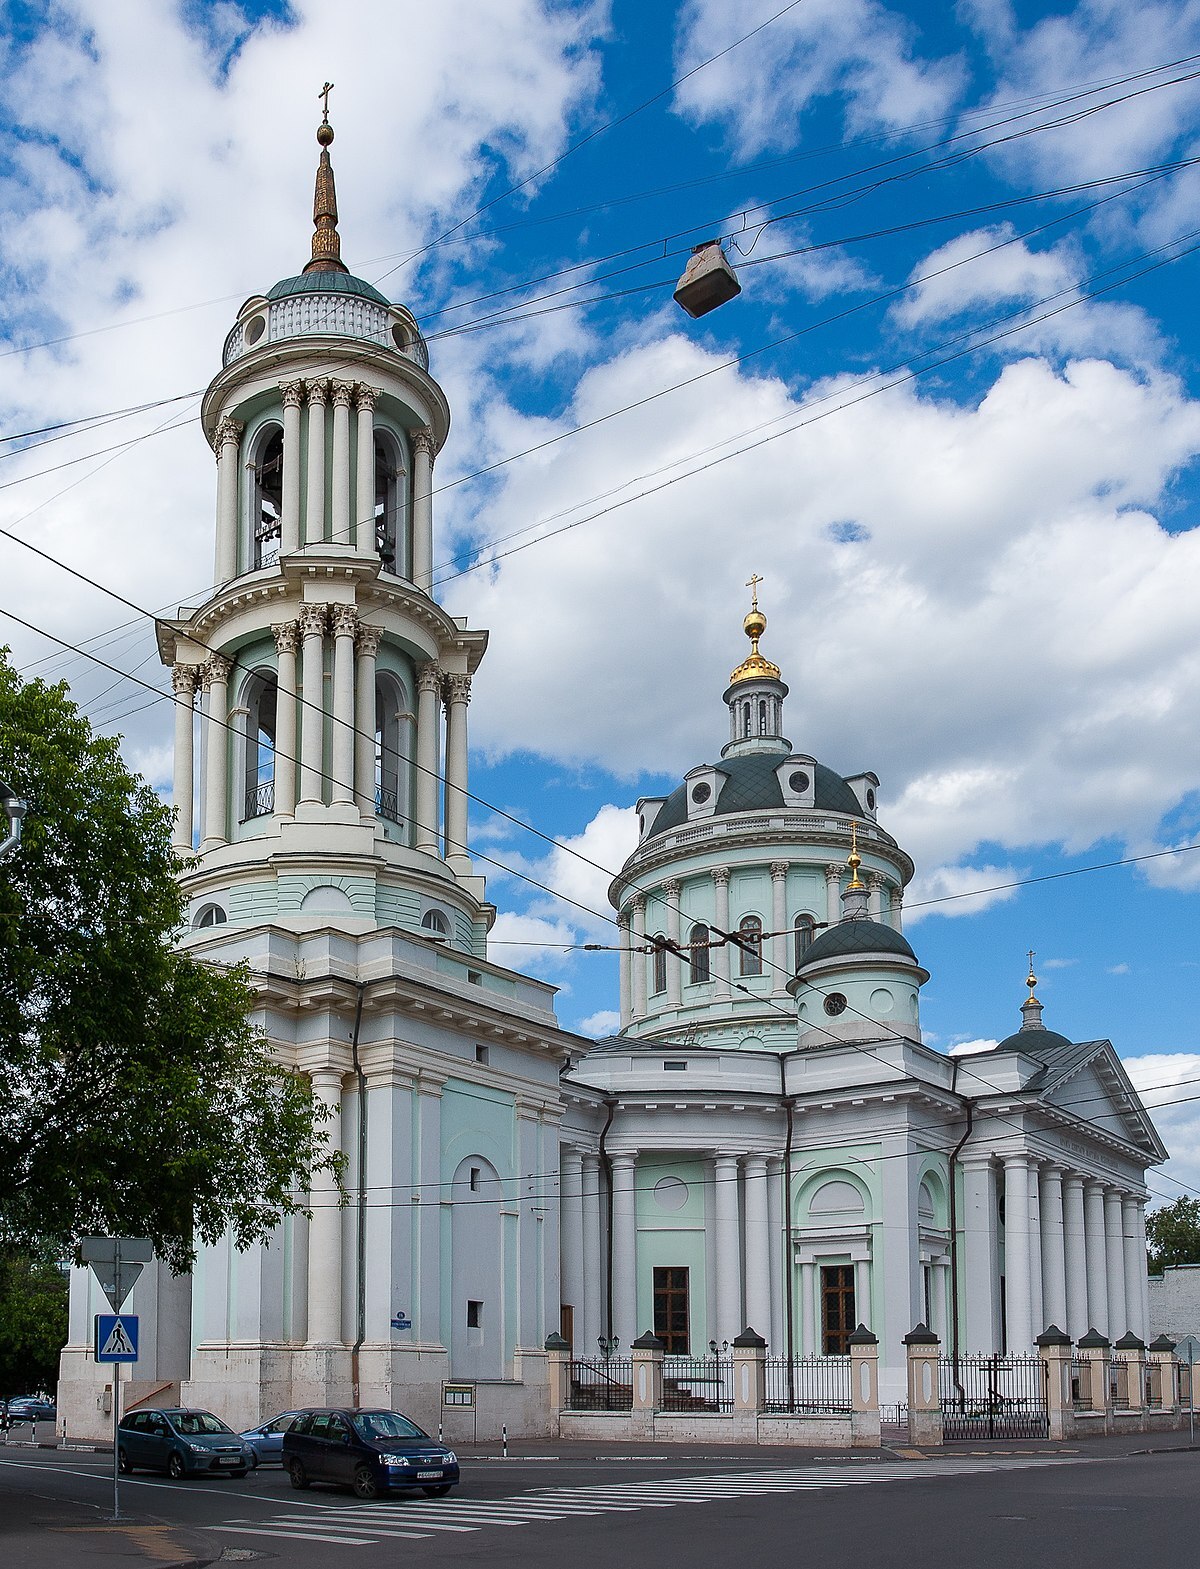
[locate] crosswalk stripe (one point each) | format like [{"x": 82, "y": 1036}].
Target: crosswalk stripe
[{"x": 291, "y": 1536}]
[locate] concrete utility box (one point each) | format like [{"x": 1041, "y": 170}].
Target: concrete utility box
[{"x": 708, "y": 280}]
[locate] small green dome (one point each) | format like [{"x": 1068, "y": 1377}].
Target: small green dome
[
  {"x": 327, "y": 283},
  {"x": 751, "y": 785},
  {"x": 857, "y": 937},
  {"x": 1033, "y": 1042}
]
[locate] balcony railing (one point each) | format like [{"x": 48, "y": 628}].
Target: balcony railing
[
  {"x": 260, "y": 800},
  {"x": 387, "y": 804}
]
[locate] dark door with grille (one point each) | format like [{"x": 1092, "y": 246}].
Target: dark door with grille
[
  {"x": 994, "y": 1397},
  {"x": 671, "y": 1309},
  {"x": 837, "y": 1308}
]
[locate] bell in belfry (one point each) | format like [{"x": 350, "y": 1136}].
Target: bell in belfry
[{"x": 708, "y": 280}]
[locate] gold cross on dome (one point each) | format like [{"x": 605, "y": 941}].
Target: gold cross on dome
[
  {"x": 752, "y": 585},
  {"x": 1031, "y": 982},
  {"x": 324, "y": 96}
]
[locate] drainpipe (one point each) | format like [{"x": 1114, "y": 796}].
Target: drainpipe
[
  {"x": 360, "y": 1230},
  {"x": 606, "y": 1166},
  {"x": 952, "y": 1171},
  {"x": 789, "y": 1268}
]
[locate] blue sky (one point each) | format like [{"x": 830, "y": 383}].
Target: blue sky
[{"x": 952, "y": 420}]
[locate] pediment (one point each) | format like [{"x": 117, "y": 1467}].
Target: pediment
[{"x": 1091, "y": 1085}]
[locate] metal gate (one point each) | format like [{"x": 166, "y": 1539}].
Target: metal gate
[{"x": 994, "y": 1397}]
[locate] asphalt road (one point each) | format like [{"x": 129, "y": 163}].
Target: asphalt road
[{"x": 957, "y": 1508}]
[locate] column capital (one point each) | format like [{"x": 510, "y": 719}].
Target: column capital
[
  {"x": 292, "y": 393},
  {"x": 1018, "y": 1158},
  {"x": 312, "y": 620},
  {"x": 342, "y": 393},
  {"x": 316, "y": 392},
  {"x": 429, "y": 678},
  {"x": 458, "y": 689},
  {"x": 979, "y": 1160},
  {"x": 287, "y": 636},
  {"x": 367, "y": 642},
  {"x": 184, "y": 680},
  {"x": 833, "y": 871},
  {"x": 875, "y": 880},
  {"x": 343, "y": 620},
  {"x": 1053, "y": 1170},
  {"x": 422, "y": 440},
  {"x": 623, "y": 920},
  {"x": 638, "y": 904},
  {"x": 326, "y": 1078},
  {"x": 671, "y": 887},
  {"x": 779, "y": 870},
  {"x": 215, "y": 671},
  {"x": 623, "y": 1160},
  {"x": 724, "y": 1159},
  {"x": 720, "y": 876},
  {"x": 755, "y": 1165},
  {"x": 227, "y": 434},
  {"x": 1074, "y": 1178},
  {"x": 365, "y": 397}
]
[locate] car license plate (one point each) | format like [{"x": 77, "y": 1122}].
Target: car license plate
[
  {"x": 427, "y": 1476},
  {"x": 227, "y": 1460}
]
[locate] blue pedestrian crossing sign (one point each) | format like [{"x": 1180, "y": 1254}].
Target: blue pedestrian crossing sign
[{"x": 116, "y": 1337}]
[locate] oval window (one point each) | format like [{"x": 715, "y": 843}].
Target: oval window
[
  {"x": 401, "y": 340},
  {"x": 255, "y": 328},
  {"x": 798, "y": 782},
  {"x": 870, "y": 800},
  {"x": 835, "y": 1003}
]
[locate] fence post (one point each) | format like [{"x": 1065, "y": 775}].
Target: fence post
[
  {"x": 1128, "y": 1355},
  {"x": 558, "y": 1370},
  {"x": 1163, "y": 1382},
  {"x": 924, "y": 1391},
  {"x": 1094, "y": 1348},
  {"x": 749, "y": 1382},
  {"x": 1054, "y": 1348},
  {"x": 864, "y": 1389},
  {"x": 646, "y": 1355}
]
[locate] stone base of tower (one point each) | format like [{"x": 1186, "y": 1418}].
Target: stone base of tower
[
  {"x": 249, "y": 1383},
  {"x": 85, "y": 1390}
]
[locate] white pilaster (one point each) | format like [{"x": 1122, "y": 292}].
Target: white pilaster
[
  {"x": 292, "y": 393},
  {"x": 637, "y": 958},
  {"x": 366, "y": 648},
  {"x": 287, "y": 739},
  {"x": 343, "y": 533},
  {"x": 862, "y": 1292},
  {"x": 781, "y": 970},
  {"x": 572, "y": 1230},
  {"x": 624, "y": 1251},
  {"x": 833, "y": 891},
  {"x": 325, "y": 1227},
  {"x": 728, "y": 1247},
  {"x": 1114, "y": 1256},
  {"x": 228, "y": 439},
  {"x": 429, "y": 691},
  {"x": 312, "y": 620},
  {"x": 1054, "y": 1266},
  {"x": 458, "y": 695},
  {"x": 809, "y": 1319},
  {"x": 422, "y": 513},
  {"x": 1018, "y": 1307},
  {"x": 1076, "y": 1263},
  {"x": 721, "y": 954},
  {"x": 314, "y": 499},
  {"x": 671, "y": 892},
  {"x": 758, "y": 1245},
  {"x": 623, "y": 957},
  {"x": 183, "y": 685},
  {"x": 1095, "y": 1246},
  {"x": 777, "y": 1334},
  {"x": 216, "y": 672},
  {"x": 981, "y": 1256},
  {"x": 588, "y": 1315},
  {"x": 364, "y": 488},
  {"x": 344, "y": 619}
]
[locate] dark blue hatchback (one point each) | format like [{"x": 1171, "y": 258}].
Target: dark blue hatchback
[{"x": 371, "y": 1451}]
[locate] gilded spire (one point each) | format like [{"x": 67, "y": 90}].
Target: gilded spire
[
  {"x": 755, "y": 624},
  {"x": 326, "y": 242},
  {"x": 1031, "y": 1008},
  {"x": 854, "y": 861},
  {"x": 1031, "y": 978}
]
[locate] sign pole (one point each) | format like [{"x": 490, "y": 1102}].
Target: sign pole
[
  {"x": 116, "y": 1405},
  {"x": 1192, "y": 1398}
]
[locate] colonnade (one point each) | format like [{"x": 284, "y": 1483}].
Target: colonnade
[
  {"x": 1074, "y": 1252},
  {"x": 318, "y": 764},
  {"x": 332, "y": 501}
]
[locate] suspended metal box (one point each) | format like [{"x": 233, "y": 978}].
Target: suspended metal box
[{"x": 708, "y": 280}]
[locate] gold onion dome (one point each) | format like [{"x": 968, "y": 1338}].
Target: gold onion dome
[{"x": 754, "y": 667}]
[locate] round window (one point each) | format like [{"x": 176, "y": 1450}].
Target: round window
[
  {"x": 255, "y": 328},
  {"x": 870, "y": 800},
  {"x": 701, "y": 793},
  {"x": 835, "y": 1003},
  {"x": 400, "y": 339},
  {"x": 798, "y": 782}
]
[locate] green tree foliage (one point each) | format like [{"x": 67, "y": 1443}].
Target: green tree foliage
[
  {"x": 1173, "y": 1234},
  {"x": 33, "y": 1319},
  {"x": 136, "y": 1097}
]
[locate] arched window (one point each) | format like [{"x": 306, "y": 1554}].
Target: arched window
[
  {"x": 435, "y": 924},
  {"x": 393, "y": 739},
  {"x": 209, "y": 915},
  {"x": 745, "y": 719},
  {"x": 660, "y": 962},
  {"x": 698, "y": 970},
  {"x": 266, "y": 496},
  {"x": 750, "y": 940},
  {"x": 391, "y": 492},
  {"x": 259, "y": 697},
  {"x": 762, "y": 716},
  {"x": 805, "y": 928}
]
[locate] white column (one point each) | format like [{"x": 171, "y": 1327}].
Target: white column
[
  {"x": 314, "y": 501},
  {"x": 637, "y": 959},
  {"x": 728, "y": 1249},
  {"x": 183, "y": 684},
  {"x": 1076, "y": 1264},
  {"x": 1114, "y": 1254},
  {"x": 422, "y": 508},
  {"x": 777, "y": 1334},
  {"x": 1135, "y": 1266},
  {"x": 364, "y": 488},
  {"x": 216, "y": 671},
  {"x": 228, "y": 439},
  {"x": 458, "y": 695},
  {"x": 875, "y": 896},
  {"x": 312, "y": 619},
  {"x": 1094, "y": 1244},
  {"x": 344, "y": 619},
  {"x": 571, "y": 1242},
  {"x": 937, "y": 1299},
  {"x": 343, "y": 533},
  {"x": 590, "y": 1311},
  {"x": 862, "y": 1292},
  {"x": 287, "y": 740},
  {"x": 624, "y": 1252},
  {"x": 808, "y": 1318},
  {"x": 1018, "y": 1308},
  {"x": 429, "y": 708},
  {"x": 721, "y": 954},
  {"x": 1054, "y": 1263},
  {"x": 782, "y": 971},
  {"x": 898, "y": 908},
  {"x": 289, "y": 518},
  {"x": 1036, "y": 1309},
  {"x": 1143, "y": 1269},
  {"x": 981, "y": 1256},
  {"x": 623, "y": 957},
  {"x": 758, "y": 1246},
  {"x": 366, "y": 648},
  {"x": 325, "y": 1227},
  {"x": 671, "y": 891},
  {"x": 833, "y": 891}
]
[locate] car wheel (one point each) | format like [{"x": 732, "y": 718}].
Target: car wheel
[
  {"x": 299, "y": 1475},
  {"x": 176, "y": 1469},
  {"x": 437, "y": 1492},
  {"x": 123, "y": 1465},
  {"x": 366, "y": 1483}
]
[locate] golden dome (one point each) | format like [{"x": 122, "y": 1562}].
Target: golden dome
[{"x": 755, "y": 667}]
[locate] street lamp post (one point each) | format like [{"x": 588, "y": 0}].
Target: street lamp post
[{"x": 14, "y": 810}]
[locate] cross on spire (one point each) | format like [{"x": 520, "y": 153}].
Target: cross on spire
[
  {"x": 752, "y": 585},
  {"x": 323, "y": 95}
]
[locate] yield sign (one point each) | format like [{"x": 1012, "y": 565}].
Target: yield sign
[{"x": 116, "y": 1263}]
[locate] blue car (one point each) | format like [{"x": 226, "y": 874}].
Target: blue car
[
  {"x": 30, "y": 1408},
  {"x": 266, "y": 1442},
  {"x": 370, "y": 1451},
  {"x": 181, "y": 1443}
]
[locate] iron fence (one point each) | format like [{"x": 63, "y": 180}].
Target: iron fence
[
  {"x": 260, "y": 800},
  {"x": 994, "y": 1397},
  {"x": 600, "y": 1385},
  {"x": 1081, "y": 1383},
  {"x": 387, "y": 804},
  {"x": 697, "y": 1384},
  {"x": 820, "y": 1385}
]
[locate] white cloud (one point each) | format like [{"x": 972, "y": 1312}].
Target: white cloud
[
  {"x": 856, "y": 50},
  {"x": 1056, "y": 964},
  {"x": 1012, "y": 273},
  {"x": 530, "y": 942},
  {"x": 1169, "y": 1084},
  {"x": 972, "y": 1048},
  {"x": 606, "y": 1022},
  {"x": 1118, "y": 969}
]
